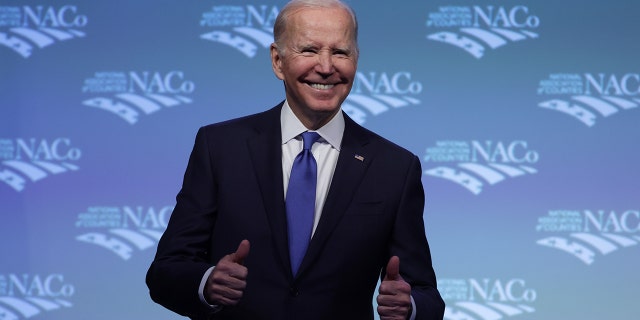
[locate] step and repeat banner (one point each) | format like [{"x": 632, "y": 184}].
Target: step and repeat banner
[{"x": 524, "y": 113}]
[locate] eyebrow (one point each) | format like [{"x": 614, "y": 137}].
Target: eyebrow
[{"x": 346, "y": 49}]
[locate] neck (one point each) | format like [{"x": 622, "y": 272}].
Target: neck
[{"x": 315, "y": 120}]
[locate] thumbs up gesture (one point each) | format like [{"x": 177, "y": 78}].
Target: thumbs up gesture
[
  {"x": 227, "y": 281},
  {"x": 394, "y": 298}
]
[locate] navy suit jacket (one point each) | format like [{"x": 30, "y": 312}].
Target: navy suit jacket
[{"x": 233, "y": 190}]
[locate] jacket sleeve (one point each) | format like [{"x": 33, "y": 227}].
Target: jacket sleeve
[
  {"x": 410, "y": 244},
  {"x": 182, "y": 256}
]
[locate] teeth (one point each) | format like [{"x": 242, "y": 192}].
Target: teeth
[{"x": 321, "y": 86}]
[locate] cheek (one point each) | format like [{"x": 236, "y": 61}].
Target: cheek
[
  {"x": 299, "y": 65},
  {"x": 347, "y": 68}
]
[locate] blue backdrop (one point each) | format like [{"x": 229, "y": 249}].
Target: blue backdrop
[{"x": 525, "y": 115}]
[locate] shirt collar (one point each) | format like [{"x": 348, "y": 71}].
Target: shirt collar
[{"x": 291, "y": 127}]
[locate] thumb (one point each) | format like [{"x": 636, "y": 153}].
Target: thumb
[
  {"x": 393, "y": 269},
  {"x": 242, "y": 252}
]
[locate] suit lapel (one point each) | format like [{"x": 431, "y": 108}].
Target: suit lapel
[
  {"x": 266, "y": 156},
  {"x": 353, "y": 161}
]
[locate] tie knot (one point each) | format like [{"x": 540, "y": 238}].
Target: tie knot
[{"x": 309, "y": 138}]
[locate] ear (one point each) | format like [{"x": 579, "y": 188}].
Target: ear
[{"x": 276, "y": 61}]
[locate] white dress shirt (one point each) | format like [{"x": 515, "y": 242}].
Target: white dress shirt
[{"x": 325, "y": 151}]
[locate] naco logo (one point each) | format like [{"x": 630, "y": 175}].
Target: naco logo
[
  {"x": 590, "y": 97},
  {"x": 245, "y": 28},
  {"x": 374, "y": 93},
  {"x": 476, "y": 164},
  {"x": 135, "y": 94},
  {"x": 588, "y": 234},
  {"x": 40, "y": 26},
  {"x": 23, "y": 160},
  {"x": 476, "y": 29},
  {"x": 122, "y": 230},
  {"x": 486, "y": 299},
  {"x": 23, "y": 296}
]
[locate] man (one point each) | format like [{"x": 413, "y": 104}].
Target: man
[{"x": 226, "y": 253}]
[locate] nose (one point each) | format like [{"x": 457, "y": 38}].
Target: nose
[{"x": 325, "y": 63}]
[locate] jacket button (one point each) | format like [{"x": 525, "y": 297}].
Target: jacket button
[{"x": 294, "y": 291}]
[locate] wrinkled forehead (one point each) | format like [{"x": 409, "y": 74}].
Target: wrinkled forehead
[{"x": 330, "y": 22}]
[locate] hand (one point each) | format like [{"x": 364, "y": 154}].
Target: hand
[
  {"x": 394, "y": 298},
  {"x": 226, "y": 283}
]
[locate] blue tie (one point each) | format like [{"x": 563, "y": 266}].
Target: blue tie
[{"x": 301, "y": 200}]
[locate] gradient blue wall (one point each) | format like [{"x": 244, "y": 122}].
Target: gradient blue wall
[{"x": 525, "y": 115}]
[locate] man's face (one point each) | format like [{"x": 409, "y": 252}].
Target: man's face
[{"x": 318, "y": 62}]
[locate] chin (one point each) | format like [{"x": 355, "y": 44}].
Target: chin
[{"x": 326, "y": 107}]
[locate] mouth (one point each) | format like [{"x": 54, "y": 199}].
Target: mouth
[{"x": 321, "y": 86}]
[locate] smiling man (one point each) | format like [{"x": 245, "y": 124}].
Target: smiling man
[
  {"x": 317, "y": 60},
  {"x": 296, "y": 212}
]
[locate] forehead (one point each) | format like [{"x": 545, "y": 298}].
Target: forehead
[{"x": 326, "y": 25}]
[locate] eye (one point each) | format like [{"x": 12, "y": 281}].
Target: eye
[
  {"x": 308, "y": 50},
  {"x": 341, "y": 52}
]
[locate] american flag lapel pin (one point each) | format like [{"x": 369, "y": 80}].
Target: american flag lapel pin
[{"x": 359, "y": 157}]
